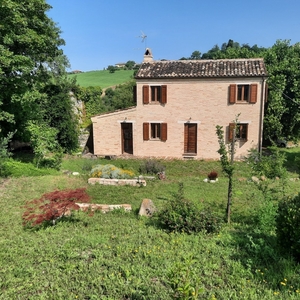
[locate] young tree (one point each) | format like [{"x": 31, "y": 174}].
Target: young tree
[{"x": 227, "y": 157}]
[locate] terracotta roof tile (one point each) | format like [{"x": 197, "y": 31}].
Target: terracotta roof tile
[{"x": 202, "y": 68}]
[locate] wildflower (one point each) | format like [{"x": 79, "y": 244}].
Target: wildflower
[{"x": 282, "y": 283}]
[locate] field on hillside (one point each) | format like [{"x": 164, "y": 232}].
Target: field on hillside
[
  {"x": 102, "y": 78},
  {"x": 119, "y": 255}
]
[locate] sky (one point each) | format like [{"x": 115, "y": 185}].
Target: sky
[{"x": 99, "y": 33}]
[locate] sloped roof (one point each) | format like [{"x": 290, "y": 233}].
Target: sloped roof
[{"x": 254, "y": 67}]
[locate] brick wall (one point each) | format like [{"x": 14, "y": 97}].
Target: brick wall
[{"x": 203, "y": 102}]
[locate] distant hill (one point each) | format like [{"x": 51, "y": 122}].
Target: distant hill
[{"x": 103, "y": 78}]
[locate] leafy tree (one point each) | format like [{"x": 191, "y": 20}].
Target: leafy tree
[
  {"x": 111, "y": 69},
  {"x": 282, "y": 114},
  {"x": 130, "y": 64},
  {"x": 196, "y": 55},
  {"x": 226, "y": 157},
  {"x": 31, "y": 61}
]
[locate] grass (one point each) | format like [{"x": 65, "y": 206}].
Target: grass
[
  {"x": 103, "y": 78},
  {"x": 121, "y": 256}
]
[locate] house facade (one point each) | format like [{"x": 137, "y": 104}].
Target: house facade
[{"x": 179, "y": 104}]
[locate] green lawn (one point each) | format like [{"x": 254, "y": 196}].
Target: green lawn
[
  {"x": 103, "y": 78},
  {"x": 121, "y": 256}
]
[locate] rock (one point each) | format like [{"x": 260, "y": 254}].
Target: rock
[
  {"x": 102, "y": 207},
  {"x": 263, "y": 178},
  {"x": 205, "y": 180},
  {"x": 104, "y": 181},
  {"x": 161, "y": 175},
  {"x": 75, "y": 173},
  {"x": 147, "y": 208},
  {"x": 255, "y": 179}
]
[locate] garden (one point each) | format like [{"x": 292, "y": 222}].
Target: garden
[{"x": 186, "y": 250}]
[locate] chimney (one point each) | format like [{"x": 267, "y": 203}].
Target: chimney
[{"x": 148, "y": 55}]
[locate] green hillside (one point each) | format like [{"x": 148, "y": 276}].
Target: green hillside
[{"x": 102, "y": 78}]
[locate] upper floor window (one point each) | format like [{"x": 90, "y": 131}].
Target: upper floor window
[
  {"x": 243, "y": 93},
  {"x": 154, "y": 94}
]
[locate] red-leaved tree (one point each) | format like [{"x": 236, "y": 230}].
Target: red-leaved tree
[{"x": 52, "y": 206}]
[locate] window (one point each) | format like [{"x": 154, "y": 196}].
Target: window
[
  {"x": 243, "y": 93},
  {"x": 155, "y": 94},
  {"x": 155, "y": 131},
  {"x": 241, "y": 131}
]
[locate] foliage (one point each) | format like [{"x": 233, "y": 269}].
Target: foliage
[
  {"x": 91, "y": 97},
  {"x": 213, "y": 175},
  {"x": 52, "y": 206},
  {"x": 288, "y": 225},
  {"x": 110, "y": 172},
  {"x": 121, "y": 97},
  {"x": 4, "y": 154},
  {"x": 227, "y": 165},
  {"x": 111, "y": 69},
  {"x": 151, "y": 166},
  {"x": 44, "y": 144},
  {"x": 130, "y": 64},
  {"x": 184, "y": 280},
  {"x": 181, "y": 215},
  {"x": 270, "y": 164}
]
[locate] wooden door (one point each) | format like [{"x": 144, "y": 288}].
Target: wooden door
[
  {"x": 127, "y": 142},
  {"x": 190, "y": 138}
]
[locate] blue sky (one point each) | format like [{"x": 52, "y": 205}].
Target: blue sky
[{"x": 101, "y": 33}]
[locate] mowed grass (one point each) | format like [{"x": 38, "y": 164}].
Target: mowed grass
[
  {"x": 103, "y": 78},
  {"x": 121, "y": 256}
]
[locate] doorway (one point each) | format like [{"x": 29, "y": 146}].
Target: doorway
[
  {"x": 190, "y": 138},
  {"x": 126, "y": 133}
]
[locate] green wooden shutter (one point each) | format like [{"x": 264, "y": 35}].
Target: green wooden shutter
[
  {"x": 145, "y": 94},
  {"x": 232, "y": 93},
  {"x": 163, "y": 94},
  {"x": 253, "y": 93},
  {"x": 164, "y": 129},
  {"x": 146, "y": 131}
]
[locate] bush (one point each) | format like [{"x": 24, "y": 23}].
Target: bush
[
  {"x": 288, "y": 225},
  {"x": 52, "y": 206},
  {"x": 110, "y": 172},
  {"x": 270, "y": 164},
  {"x": 183, "y": 216},
  {"x": 212, "y": 175},
  {"x": 151, "y": 167}
]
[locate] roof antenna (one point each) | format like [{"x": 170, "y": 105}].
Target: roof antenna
[{"x": 143, "y": 36}]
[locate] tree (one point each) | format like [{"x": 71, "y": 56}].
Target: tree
[
  {"x": 111, "y": 69},
  {"x": 130, "y": 64},
  {"x": 282, "y": 113},
  {"x": 196, "y": 55},
  {"x": 31, "y": 59},
  {"x": 227, "y": 157}
]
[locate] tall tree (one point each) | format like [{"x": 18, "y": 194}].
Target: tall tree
[
  {"x": 282, "y": 114},
  {"x": 30, "y": 58}
]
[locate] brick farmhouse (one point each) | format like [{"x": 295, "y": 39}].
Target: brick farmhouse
[{"x": 178, "y": 105}]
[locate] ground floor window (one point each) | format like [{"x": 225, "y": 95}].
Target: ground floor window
[{"x": 155, "y": 131}]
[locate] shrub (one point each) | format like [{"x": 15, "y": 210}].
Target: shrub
[
  {"x": 52, "y": 206},
  {"x": 270, "y": 164},
  {"x": 182, "y": 215},
  {"x": 212, "y": 175},
  {"x": 110, "y": 172},
  {"x": 151, "y": 166},
  {"x": 288, "y": 225}
]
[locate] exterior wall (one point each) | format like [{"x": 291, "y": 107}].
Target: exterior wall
[{"x": 201, "y": 101}]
